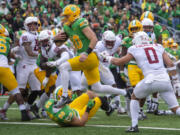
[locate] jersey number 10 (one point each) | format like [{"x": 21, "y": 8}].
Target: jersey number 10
[{"x": 149, "y": 57}]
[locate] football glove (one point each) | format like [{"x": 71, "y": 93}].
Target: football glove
[
  {"x": 90, "y": 105},
  {"x": 51, "y": 63},
  {"x": 106, "y": 56}
]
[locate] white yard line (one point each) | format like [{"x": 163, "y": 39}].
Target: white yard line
[{"x": 103, "y": 126}]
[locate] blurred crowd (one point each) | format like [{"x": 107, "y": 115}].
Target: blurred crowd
[{"x": 102, "y": 14}]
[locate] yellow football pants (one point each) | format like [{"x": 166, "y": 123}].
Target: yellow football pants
[
  {"x": 41, "y": 75},
  {"x": 80, "y": 104},
  {"x": 89, "y": 67},
  {"x": 135, "y": 74},
  {"x": 7, "y": 78}
]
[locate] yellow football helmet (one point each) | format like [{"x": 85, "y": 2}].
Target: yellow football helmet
[
  {"x": 55, "y": 31},
  {"x": 170, "y": 42},
  {"x": 3, "y": 31},
  {"x": 174, "y": 46},
  {"x": 135, "y": 26},
  {"x": 70, "y": 14},
  {"x": 147, "y": 14},
  {"x": 58, "y": 93}
]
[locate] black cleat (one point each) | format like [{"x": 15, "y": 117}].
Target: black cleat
[
  {"x": 35, "y": 111},
  {"x": 25, "y": 116},
  {"x": 62, "y": 101},
  {"x": 133, "y": 129},
  {"x": 110, "y": 111}
]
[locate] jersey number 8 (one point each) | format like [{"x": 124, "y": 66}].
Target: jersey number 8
[{"x": 77, "y": 42}]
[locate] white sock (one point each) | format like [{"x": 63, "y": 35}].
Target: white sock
[
  {"x": 128, "y": 106},
  {"x": 178, "y": 111},
  {"x": 98, "y": 87},
  {"x": 22, "y": 107},
  {"x": 64, "y": 71},
  {"x": 28, "y": 106},
  {"x": 6, "y": 106},
  {"x": 155, "y": 99},
  {"x": 42, "y": 100},
  {"x": 134, "y": 108}
]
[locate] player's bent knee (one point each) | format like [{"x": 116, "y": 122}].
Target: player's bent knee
[{"x": 14, "y": 91}]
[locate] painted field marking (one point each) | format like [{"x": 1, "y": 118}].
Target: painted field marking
[{"x": 88, "y": 125}]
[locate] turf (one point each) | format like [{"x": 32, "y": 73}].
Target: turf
[{"x": 100, "y": 124}]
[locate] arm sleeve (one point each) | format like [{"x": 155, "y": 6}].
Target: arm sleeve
[{"x": 64, "y": 57}]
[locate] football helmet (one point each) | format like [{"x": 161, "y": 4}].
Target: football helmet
[
  {"x": 45, "y": 39},
  {"x": 58, "y": 93},
  {"x": 55, "y": 31},
  {"x": 147, "y": 14},
  {"x": 70, "y": 14},
  {"x": 109, "y": 39},
  {"x": 135, "y": 26},
  {"x": 174, "y": 46},
  {"x": 141, "y": 38},
  {"x": 148, "y": 26},
  {"x": 31, "y": 20},
  {"x": 170, "y": 42},
  {"x": 3, "y": 31}
]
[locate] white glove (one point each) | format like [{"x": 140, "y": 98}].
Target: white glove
[
  {"x": 45, "y": 81},
  {"x": 105, "y": 55},
  {"x": 176, "y": 85},
  {"x": 18, "y": 56},
  {"x": 51, "y": 63}
]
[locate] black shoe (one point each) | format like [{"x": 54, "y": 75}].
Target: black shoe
[
  {"x": 110, "y": 111},
  {"x": 133, "y": 129},
  {"x": 62, "y": 101},
  {"x": 25, "y": 116},
  {"x": 35, "y": 111}
]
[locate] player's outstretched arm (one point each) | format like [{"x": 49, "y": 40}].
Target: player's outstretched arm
[{"x": 121, "y": 61}]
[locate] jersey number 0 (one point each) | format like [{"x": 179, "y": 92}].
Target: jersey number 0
[{"x": 151, "y": 59}]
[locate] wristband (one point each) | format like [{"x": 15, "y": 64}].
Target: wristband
[{"x": 89, "y": 50}]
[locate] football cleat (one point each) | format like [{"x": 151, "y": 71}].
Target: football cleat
[
  {"x": 133, "y": 129},
  {"x": 43, "y": 113},
  {"x": 25, "y": 116},
  {"x": 142, "y": 116},
  {"x": 121, "y": 110},
  {"x": 3, "y": 115},
  {"x": 110, "y": 111},
  {"x": 62, "y": 101},
  {"x": 35, "y": 111}
]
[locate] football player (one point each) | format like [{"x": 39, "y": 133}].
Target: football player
[
  {"x": 151, "y": 58},
  {"x": 6, "y": 76},
  {"x": 84, "y": 40},
  {"x": 78, "y": 112}
]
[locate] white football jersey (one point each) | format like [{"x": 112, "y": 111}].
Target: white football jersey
[
  {"x": 149, "y": 58},
  {"x": 100, "y": 47},
  {"x": 28, "y": 37},
  {"x": 53, "y": 51}
]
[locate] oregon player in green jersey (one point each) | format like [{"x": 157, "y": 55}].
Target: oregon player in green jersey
[
  {"x": 6, "y": 76},
  {"x": 78, "y": 112},
  {"x": 84, "y": 40}
]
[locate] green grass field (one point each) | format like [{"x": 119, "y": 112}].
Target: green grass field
[{"x": 100, "y": 124}]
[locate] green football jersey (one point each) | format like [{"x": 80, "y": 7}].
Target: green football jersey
[
  {"x": 80, "y": 41},
  {"x": 4, "y": 45},
  {"x": 127, "y": 42},
  {"x": 62, "y": 116}
]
